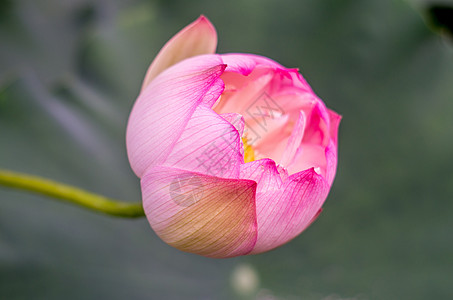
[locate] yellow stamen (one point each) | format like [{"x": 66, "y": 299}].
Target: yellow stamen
[{"x": 249, "y": 154}]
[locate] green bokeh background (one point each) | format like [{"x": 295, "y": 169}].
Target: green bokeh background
[{"x": 70, "y": 72}]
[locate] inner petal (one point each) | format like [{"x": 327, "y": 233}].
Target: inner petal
[
  {"x": 309, "y": 156},
  {"x": 272, "y": 104},
  {"x": 241, "y": 91}
]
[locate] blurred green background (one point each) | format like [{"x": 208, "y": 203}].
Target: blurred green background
[{"x": 70, "y": 72}]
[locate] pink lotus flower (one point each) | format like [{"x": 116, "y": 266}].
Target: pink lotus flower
[{"x": 235, "y": 152}]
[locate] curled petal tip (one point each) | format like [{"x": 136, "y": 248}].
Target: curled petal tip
[
  {"x": 202, "y": 18},
  {"x": 199, "y": 37}
]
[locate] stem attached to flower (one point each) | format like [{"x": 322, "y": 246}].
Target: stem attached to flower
[{"x": 70, "y": 194}]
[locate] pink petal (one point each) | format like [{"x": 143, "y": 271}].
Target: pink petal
[
  {"x": 244, "y": 91},
  {"x": 247, "y": 76},
  {"x": 332, "y": 148},
  {"x": 201, "y": 214},
  {"x": 334, "y": 124},
  {"x": 292, "y": 101},
  {"x": 245, "y": 63},
  {"x": 264, "y": 172},
  {"x": 294, "y": 140},
  {"x": 209, "y": 144},
  {"x": 296, "y": 81},
  {"x": 309, "y": 156},
  {"x": 331, "y": 162},
  {"x": 163, "y": 109},
  {"x": 284, "y": 214},
  {"x": 236, "y": 120},
  {"x": 257, "y": 59},
  {"x": 197, "y": 38},
  {"x": 239, "y": 63},
  {"x": 268, "y": 135},
  {"x": 270, "y": 138},
  {"x": 318, "y": 122}
]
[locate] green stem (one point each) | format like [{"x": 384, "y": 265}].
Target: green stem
[{"x": 70, "y": 194}]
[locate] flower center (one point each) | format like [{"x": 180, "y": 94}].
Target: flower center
[{"x": 249, "y": 154}]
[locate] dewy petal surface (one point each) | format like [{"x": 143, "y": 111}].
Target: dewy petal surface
[
  {"x": 285, "y": 213},
  {"x": 201, "y": 214},
  {"x": 199, "y": 37},
  {"x": 164, "y": 108}
]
